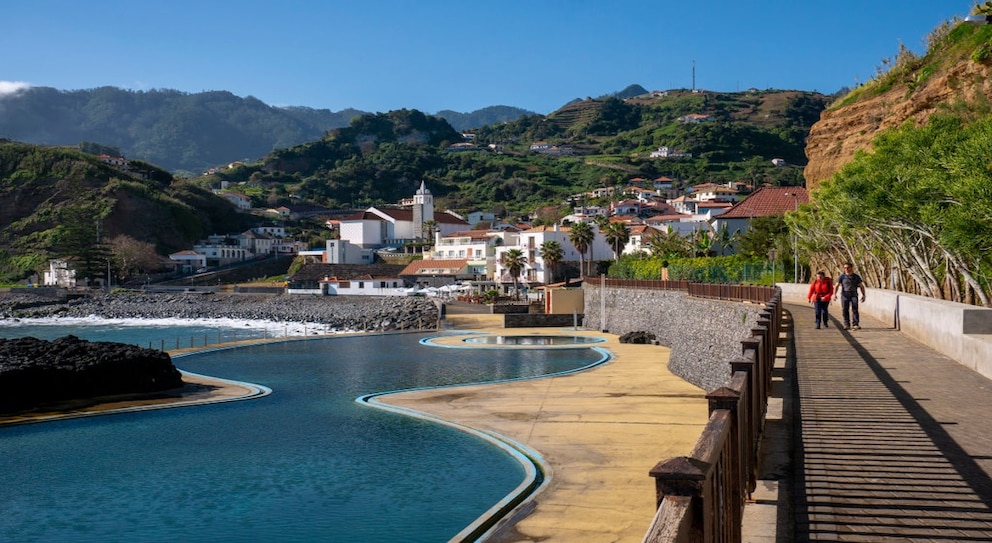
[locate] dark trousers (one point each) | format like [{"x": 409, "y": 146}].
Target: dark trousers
[
  {"x": 849, "y": 308},
  {"x": 820, "y": 309}
]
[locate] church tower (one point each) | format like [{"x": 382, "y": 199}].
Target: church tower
[{"x": 423, "y": 210}]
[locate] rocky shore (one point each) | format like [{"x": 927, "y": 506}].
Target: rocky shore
[{"x": 339, "y": 313}]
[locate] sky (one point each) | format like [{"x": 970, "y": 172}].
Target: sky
[{"x": 433, "y": 55}]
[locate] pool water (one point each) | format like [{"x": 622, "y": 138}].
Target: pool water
[{"x": 306, "y": 463}]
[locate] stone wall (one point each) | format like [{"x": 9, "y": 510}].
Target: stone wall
[{"x": 703, "y": 335}]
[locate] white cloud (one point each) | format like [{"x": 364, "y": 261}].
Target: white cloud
[{"x": 8, "y": 88}]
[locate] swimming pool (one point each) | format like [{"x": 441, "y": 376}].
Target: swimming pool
[{"x": 306, "y": 463}]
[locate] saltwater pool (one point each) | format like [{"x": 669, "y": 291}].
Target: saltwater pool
[{"x": 306, "y": 463}]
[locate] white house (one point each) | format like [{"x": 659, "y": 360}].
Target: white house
[
  {"x": 530, "y": 241},
  {"x": 341, "y": 251},
  {"x": 640, "y": 236},
  {"x": 476, "y": 217},
  {"x": 367, "y": 285},
  {"x": 668, "y": 152},
  {"x": 240, "y": 201},
  {"x": 188, "y": 260},
  {"x": 59, "y": 274},
  {"x": 222, "y": 252}
]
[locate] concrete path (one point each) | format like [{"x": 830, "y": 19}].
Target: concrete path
[
  {"x": 601, "y": 431},
  {"x": 895, "y": 440}
]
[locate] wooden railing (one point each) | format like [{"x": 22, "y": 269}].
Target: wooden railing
[
  {"x": 700, "y": 497},
  {"x": 741, "y": 293}
]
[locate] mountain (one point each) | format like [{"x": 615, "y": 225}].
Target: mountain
[
  {"x": 182, "y": 132},
  {"x": 630, "y": 91},
  {"x": 482, "y": 117}
]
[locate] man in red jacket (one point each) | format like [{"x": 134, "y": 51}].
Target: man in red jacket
[{"x": 820, "y": 292}]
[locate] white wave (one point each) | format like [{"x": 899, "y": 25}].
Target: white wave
[{"x": 270, "y": 328}]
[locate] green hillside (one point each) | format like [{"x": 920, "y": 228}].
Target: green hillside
[
  {"x": 382, "y": 158},
  {"x": 62, "y": 203}
]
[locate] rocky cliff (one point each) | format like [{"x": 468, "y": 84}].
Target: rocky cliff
[{"x": 844, "y": 130}]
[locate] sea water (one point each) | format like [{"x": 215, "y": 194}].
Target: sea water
[{"x": 306, "y": 463}]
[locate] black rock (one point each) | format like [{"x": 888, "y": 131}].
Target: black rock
[
  {"x": 643, "y": 338},
  {"x": 34, "y": 372}
]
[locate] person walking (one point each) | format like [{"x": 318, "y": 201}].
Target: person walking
[
  {"x": 848, "y": 285},
  {"x": 820, "y": 291}
]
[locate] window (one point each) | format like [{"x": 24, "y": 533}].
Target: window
[{"x": 361, "y": 284}]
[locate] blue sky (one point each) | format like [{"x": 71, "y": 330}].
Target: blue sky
[{"x": 437, "y": 54}]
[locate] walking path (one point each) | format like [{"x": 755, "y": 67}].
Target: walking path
[{"x": 894, "y": 440}]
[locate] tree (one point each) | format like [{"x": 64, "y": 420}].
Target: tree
[
  {"x": 430, "y": 226},
  {"x": 514, "y": 261},
  {"x": 581, "y": 236},
  {"x": 552, "y": 253},
  {"x": 131, "y": 257},
  {"x": 668, "y": 244},
  {"x": 617, "y": 235}
]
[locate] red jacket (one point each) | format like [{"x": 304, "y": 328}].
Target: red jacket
[{"x": 823, "y": 288}]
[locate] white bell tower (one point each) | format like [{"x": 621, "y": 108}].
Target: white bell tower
[{"x": 423, "y": 209}]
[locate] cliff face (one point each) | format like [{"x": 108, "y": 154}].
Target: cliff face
[{"x": 840, "y": 132}]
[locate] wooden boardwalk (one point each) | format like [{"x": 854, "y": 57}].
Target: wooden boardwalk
[{"x": 894, "y": 441}]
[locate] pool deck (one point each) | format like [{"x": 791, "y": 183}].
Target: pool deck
[{"x": 600, "y": 431}]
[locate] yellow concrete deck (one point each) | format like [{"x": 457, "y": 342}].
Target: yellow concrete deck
[{"x": 600, "y": 430}]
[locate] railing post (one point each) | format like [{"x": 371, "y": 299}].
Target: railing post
[
  {"x": 752, "y": 418},
  {"x": 738, "y": 458},
  {"x": 683, "y": 476}
]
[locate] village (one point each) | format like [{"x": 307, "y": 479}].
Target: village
[{"x": 413, "y": 249}]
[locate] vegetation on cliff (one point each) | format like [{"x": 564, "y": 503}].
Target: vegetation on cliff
[{"x": 913, "y": 209}]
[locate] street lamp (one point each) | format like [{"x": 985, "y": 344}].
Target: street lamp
[{"x": 795, "y": 242}]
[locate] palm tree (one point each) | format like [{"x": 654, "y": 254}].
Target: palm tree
[
  {"x": 702, "y": 241},
  {"x": 428, "y": 229},
  {"x": 514, "y": 261},
  {"x": 552, "y": 253},
  {"x": 725, "y": 238},
  {"x": 581, "y": 237},
  {"x": 617, "y": 235}
]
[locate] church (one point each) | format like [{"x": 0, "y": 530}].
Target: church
[{"x": 385, "y": 227}]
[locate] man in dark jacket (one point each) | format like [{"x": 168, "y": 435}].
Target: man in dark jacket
[{"x": 848, "y": 285}]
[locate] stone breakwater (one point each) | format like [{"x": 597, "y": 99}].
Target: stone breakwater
[
  {"x": 34, "y": 372},
  {"x": 334, "y": 312},
  {"x": 703, "y": 335}
]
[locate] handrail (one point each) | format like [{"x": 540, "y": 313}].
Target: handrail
[{"x": 700, "y": 497}]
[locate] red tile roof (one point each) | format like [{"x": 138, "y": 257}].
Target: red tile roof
[{"x": 768, "y": 201}]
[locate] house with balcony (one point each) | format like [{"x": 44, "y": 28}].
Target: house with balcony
[{"x": 536, "y": 271}]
